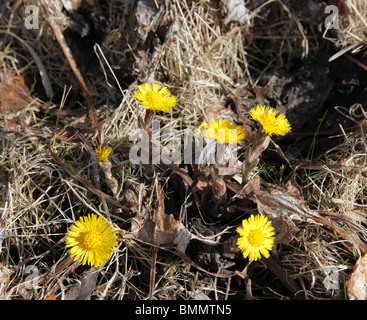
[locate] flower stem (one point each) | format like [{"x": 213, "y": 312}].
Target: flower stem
[{"x": 253, "y": 153}]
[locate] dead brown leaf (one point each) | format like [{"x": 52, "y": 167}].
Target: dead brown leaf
[
  {"x": 85, "y": 288},
  {"x": 14, "y": 97},
  {"x": 160, "y": 229},
  {"x": 275, "y": 202},
  {"x": 281, "y": 205},
  {"x": 357, "y": 283},
  {"x": 342, "y": 7}
]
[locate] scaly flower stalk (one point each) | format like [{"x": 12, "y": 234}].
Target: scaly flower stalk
[
  {"x": 102, "y": 158},
  {"x": 252, "y": 155},
  {"x": 226, "y": 135},
  {"x": 155, "y": 98},
  {"x": 271, "y": 124}
]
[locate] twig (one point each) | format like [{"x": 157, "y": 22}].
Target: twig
[
  {"x": 42, "y": 70},
  {"x": 69, "y": 56},
  {"x": 87, "y": 183},
  {"x": 282, "y": 275},
  {"x": 130, "y": 236},
  {"x": 358, "y": 63},
  {"x": 337, "y": 130},
  {"x": 152, "y": 272}
]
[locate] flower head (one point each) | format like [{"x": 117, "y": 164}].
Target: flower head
[
  {"x": 91, "y": 240},
  {"x": 223, "y": 131},
  {"x": 256, "y": 237},
  {"x": 102, "y": 154},
  {"x": 155, "y": 98},
  {"x": 271, "y": 123}
]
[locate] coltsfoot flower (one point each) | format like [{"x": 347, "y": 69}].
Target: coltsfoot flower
[
  {"x": 102, "y": 154},
  {"x": 256, "y": 237},
  {"x": 91, "y": 240},
  {"x": 224, "y": 131},
  {"x": 271, "y": 123},
  {"x": 156, "y": 98}
]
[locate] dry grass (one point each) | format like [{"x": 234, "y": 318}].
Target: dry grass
[
  {"x": 202, "y": 65},
  {"x": 352, "y": 24}
]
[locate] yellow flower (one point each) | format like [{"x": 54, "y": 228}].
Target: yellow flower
[
  {"x": 271, "y": 123},
  {"x": 155, "y": 98},
  {"x": 102, "y": 154},
  {"x": 223, "y": 131},
  {"x": 91, "y": 240},
  {"x": 256, "y": 237}
]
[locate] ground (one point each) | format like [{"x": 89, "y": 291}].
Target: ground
[{"x": 68, "y": 73}]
